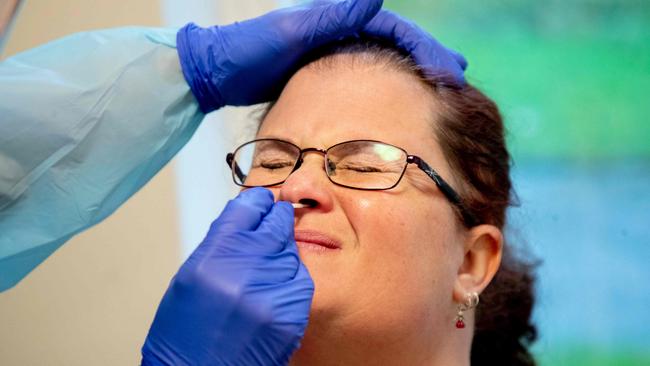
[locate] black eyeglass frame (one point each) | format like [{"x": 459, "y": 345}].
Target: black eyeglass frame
[{"x": 452, "y": 196}]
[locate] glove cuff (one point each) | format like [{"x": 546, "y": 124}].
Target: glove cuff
[{"x": 190, "y": 41}]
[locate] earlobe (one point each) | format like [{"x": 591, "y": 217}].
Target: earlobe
[{"x": 483, "y": 248}]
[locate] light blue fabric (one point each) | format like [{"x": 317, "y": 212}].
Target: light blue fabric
[{"x": 85, "y": 122}]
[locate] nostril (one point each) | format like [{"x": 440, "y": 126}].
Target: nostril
[{"x": 309, "y": 202}]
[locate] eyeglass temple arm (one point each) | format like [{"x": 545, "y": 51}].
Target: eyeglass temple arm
[
  {"x": 453, "y": 197},
  {"x": 235, "y": 167}
]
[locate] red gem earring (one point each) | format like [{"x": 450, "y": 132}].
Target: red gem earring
[
  {"x": 460, "y": 323},
  {"x": 471, "y": 301}
]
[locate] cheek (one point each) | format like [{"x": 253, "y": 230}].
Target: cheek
[
  {"x": 403, "y": 256},
  {"x": 392, "y": 229}
]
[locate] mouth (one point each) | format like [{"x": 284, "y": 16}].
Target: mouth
[{"x": 316, "y": 241}]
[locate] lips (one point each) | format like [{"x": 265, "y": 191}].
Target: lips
[{"x": 316, "y": 238}]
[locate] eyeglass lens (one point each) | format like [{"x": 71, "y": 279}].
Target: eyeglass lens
[{"x": 356, "y": 164}]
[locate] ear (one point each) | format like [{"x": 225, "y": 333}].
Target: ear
[{"x": 483, "y": 248}]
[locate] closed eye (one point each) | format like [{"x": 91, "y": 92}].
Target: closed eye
[
  {"x": 275, "y": 165},
  {"x": 361, "y": 168}
]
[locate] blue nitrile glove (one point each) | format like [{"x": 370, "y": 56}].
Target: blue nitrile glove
[
  {"x": 242, "y": 297},
  {"x": 248, "y": 62},
  {"x": 436, "y": 60}
]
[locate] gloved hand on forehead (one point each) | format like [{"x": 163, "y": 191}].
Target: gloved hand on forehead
[
  {"x": 242, "y": 297},
  {"x": 248, "y": 62},
  {"x": 436, "y": 60}
]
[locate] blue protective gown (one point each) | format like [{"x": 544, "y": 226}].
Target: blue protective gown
[{"x": 85, "y": 122}]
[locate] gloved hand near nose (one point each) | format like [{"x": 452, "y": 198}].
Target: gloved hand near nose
[
  {"x": 247, "y": 62},
  {"x": 242, "y": 297}
]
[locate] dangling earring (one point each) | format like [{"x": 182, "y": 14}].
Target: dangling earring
[{"x": 471, "y": 300}]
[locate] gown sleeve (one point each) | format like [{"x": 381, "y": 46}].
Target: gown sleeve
[{"x": 85, "y": 122}]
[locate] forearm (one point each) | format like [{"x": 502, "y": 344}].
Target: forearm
[{"x": 84, "y": 123}]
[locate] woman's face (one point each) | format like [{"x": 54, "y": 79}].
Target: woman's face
[{"x": 401, "y": 248}]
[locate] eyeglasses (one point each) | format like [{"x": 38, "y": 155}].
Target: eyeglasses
[{"x": 359, "y": 164}]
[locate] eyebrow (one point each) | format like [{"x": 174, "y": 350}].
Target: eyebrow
[{"x": 276, "y": 137}]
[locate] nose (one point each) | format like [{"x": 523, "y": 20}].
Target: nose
[{"x": 309, "y": 184}]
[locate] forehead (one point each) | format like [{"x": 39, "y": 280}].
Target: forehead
[{"x": 322, "y": 106}]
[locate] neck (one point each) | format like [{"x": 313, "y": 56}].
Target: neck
[{"x": 323, "y": 345}]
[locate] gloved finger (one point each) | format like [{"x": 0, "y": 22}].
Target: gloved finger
[
  {"x": 302, "y": 287},
  {"x": 278, "y": 226},
  {"x": 434, "y": 58},
  {"x": 244, "y": 212},
  {"x": 270, "y": 237},
  {"x": 285, "y": 267},
  {"x": 462, "y": 61},
  {"x": 271, "y": 269},
  {"x": 269, "y": 253},
  {"x": 331, "y": 20}
]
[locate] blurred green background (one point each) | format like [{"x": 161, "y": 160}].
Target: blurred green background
[
  {"x": 571, "y": 79},
  {"x": 570, "y": 76}
]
